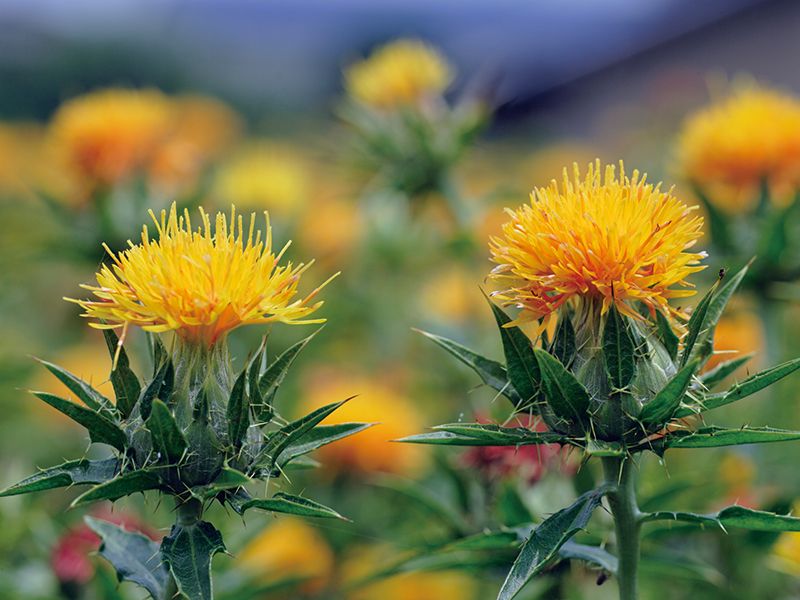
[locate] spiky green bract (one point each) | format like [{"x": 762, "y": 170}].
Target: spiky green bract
[{"x": 194, "y": 430}]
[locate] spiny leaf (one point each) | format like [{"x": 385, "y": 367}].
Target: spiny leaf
[
  {"x": 238, "y": 411},
  {"x": 546, "y": 540},
  {"x": 318, "y": 437},
  {"x": 293, "y": 505},
  {"x": 590, "y": 554},
  {"x": 618, "y": 349},
  {"x": 66, "y": 474},
  {"x": 732, "y": 516},
  {"x": 503, "y": 436},
  {"x": 101, "y": 429},
  {"x": 227, "y": 479},
  {"x": 712, "y": 437},
  {"x": 135, "y": 557},
  {"x": 661, "y": 408},
  {"x": 563, "y": 346},
  {"x": 491, "y": 372},
  {"x": 85, "y": 392},
  {"x": 744, "y": 388},
  {"x": 565, "y": 395},
  {"x": 718, "y": 374},
  {"x": 123, "y": 485},
  {"x": 668, "y": 338},
  {"x": 159, "y": 387},
  {"x": 521, "y": 365},
  {"x": 288, "y": 434},
  {"x": 125, "y": 382},
  {"x": 188, "y": 551},
  {"x": 697, "y": 323},
  {"x": 273, "y": 378},
  {"x": 167, "y": 437}
]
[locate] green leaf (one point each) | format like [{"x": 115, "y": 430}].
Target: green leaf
[
  {"x": 126, "y": 384},
  {"x": 227, "y": 479},
  {"x": 590, "y": 554},
  {"x": 503, "y": 436},
  {"x": 717, "y": 221},
  {"x": 604, "y": 449},
  {"x": 123, "y": 485},
  {"x": 445, "y": 438},
  {"x": 697, "y": 323},
  {"x": 135, "y": 557},
  {"x": 565, "y": 395},
  {"x": 744, "y": 388},
  {"x": 545, "y": 541},
  {"x": 102, "y": 430},
  {"x": 491, "y": 372},
  {"x": 293, "y": 505},
  {"x": 521, "y": 365},
  {"x": 318, "y": 437},
  {"x": 712, "y": 437},
  {"x": 188, "y": 551},
  {"x": 732, "y": 516},
  {"x": 718, "y": 374},
  {"x": 273, "y": 377},
  {"x": 618, "y": 349},
  {"x": 704, "y": 347},
  {"x": 281, "y": 439},
  {"x": 69, "y": 473},
  {"x": 238, "y": 411},
  {"x": 159, "y": 387},
  {"x": 563, "y": 346},
  {"x": 85, "y": 392},
  {"x": 168, "y": 439},
  {"x": 667, "y": 335},
  {"x": 661, "y": 408}
]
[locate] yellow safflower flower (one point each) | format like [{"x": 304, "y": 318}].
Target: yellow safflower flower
[
  {"x": 288, "y": 548},
  {"x": 372, "y": 450},
  {"x": 106, "y": 136},
  {"x": 200, "y": 284},
  {"x": 607, "y": 237},
  {"x": 403, "y": 72},
  {"x": 751, "y": 136},
  {"x": 265, "y": 175},
  {"x": 785, "y": 554}
]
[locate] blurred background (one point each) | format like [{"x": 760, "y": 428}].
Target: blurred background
[{"x": 259, "y": 113}]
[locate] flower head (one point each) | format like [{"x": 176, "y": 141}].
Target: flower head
[
  {"x": 605, "y": 236},
  {"x": 731, "y": 147},
  {"x": 200, "y": 283},
  {"x": 400, "y": 73},
  {"x": 106, "y": 136}
]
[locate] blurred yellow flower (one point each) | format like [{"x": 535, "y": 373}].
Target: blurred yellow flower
[
  {"x": 329, "y": 228},
  {"x": 739, "y": 331},
  {"x": 729, "y": 147},
  {"x": 265, "y": 175},
  {"x": 373, "y": 450},
  {"x": 737, "y": 472},
  {"x": 200, "y": 283},
  {"x": 610, "y": 238},
  {"x": 435, "y": 585},
  {"x": 453, "y": 295},
  {"x": 106, "y": 136},
  {"x": 404, "y": 72},
  {"x": 785, "y": 555},
  {"x": 288, "y": 548},
  {"x": 203, "y": 128},
  {"x": 20, "y": 156}
]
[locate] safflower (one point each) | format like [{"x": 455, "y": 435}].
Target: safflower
[
  {"x": 604, "y": 237},
  {"x": 404, "y": 72}
]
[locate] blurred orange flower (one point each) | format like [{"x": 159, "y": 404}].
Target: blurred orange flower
[
  {"x": 738, "y": 332},
  {"x": 286, "y": 549},
  {"x": 373, "y": 450}
]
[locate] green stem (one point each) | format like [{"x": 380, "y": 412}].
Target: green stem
[
  {"x": 188, "y": 512},
  {"x": 619, "y": 472}
]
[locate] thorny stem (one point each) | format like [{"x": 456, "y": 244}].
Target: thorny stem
[{"x": 620, "y": 474}]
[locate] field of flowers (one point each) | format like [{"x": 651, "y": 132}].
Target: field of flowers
[{"x": 399, "y": 353}]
